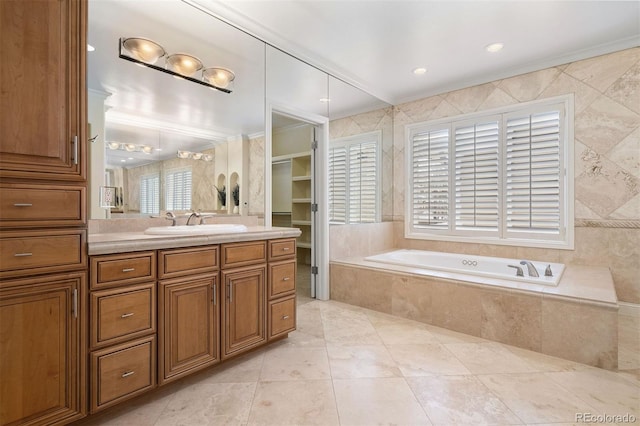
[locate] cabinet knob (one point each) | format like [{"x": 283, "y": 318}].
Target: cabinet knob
[
  {"x": 285, "y": 317},
  {"x": 286, "y": 248},
  {"x": 286, "y": 279},
  {"x": 127, "y": 374},
  {"x": 130, "y": 314}
]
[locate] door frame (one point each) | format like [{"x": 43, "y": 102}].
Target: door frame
[{"x": 320, "y": 185}]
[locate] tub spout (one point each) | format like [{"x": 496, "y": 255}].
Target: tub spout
[{"x": 531, "y": 270}]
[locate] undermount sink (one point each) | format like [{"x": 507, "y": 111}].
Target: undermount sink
[{"x": 217, "y": 228}]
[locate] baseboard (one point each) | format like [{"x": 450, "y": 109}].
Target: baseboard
[{"x": 629, "y": 309}]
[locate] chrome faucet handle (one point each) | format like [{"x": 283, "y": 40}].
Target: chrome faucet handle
[
  {"x": 547, "y": 272},
  {"x": 519, "y": 272},
  {"x": 172, "y": 217}
]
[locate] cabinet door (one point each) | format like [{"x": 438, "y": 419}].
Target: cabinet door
[
  {"x": 244, "y": 309},
  {"x": 42, "y": 350},
  {"x": 42, "y": 89},
  {"x": 188, "y": 328}
]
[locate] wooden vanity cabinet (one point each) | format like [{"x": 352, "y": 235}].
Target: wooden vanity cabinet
[
  {"x": 42, "y": 349},
  {"x": 122, "y": 328},
  {"x": 189, "y": 321},
  {"x": 281, "y": 307},
  {"x": 43, "y": 260},
  {"x": 244, "y": 284},
  {"x": 43, "y": 91}
]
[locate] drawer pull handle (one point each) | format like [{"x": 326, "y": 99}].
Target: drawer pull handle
[
  {"x": 127, "y": 374},
  {"x": 286, "y": 248},
  {"x": 23, "y": 205},
  {"x": 130, "y": 314},
  {"x": 285, "y": 317},
  {"x": 23, "y": 254},
  {"x": 128, "y": 269},
  {"x": 286, "y": 279}
]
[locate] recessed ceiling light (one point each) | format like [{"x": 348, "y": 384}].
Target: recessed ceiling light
[
  {"x": 494, "y": 47},
  {"x": 123, "y": 161},
  {"x": 419, "y": 71},
  {"x": 90, "y": 48},
  {"x": 325, "y": 100}
]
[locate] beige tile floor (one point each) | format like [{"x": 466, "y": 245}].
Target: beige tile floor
[{"x": 351, "y": 366}]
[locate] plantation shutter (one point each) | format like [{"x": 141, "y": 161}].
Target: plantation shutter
[
  {"x": 150, "y": 194},
  {"x": 533, "y": 174},
  {"x": 178, "y": 185},
  {"x": 362, "y": 182},
  {"x": 430, "y": 177},
  {"x": 338, "y": 185},
  {"x": 476, "y": 177}
]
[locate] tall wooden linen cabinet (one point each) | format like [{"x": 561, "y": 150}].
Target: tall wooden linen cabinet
[{"x": 43, "y": 226}]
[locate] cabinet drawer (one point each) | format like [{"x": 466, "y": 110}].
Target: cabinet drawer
[
  {"x": 27, "y": 253},
  {"x": 241, "y": 254},
  {"x": 282, "y": 249},
  {"x": 35, "y": 205},
  {"x": 122, "y": 313},
  {"x": 121, "y": 372},
  {"x": 121, "y": 269},
  {"x": 282, "y": 278},
  {"x": 282, "y": 317},
  {"x": 173, "y": 263}
]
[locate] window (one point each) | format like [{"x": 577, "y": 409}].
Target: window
[
  {"x": 150, "y": 194},
  {"x": 178, "y": 189},
  {"x": 499, "y": 177},
  {"x": 354, "y": 179}
]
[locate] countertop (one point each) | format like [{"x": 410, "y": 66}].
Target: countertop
[{"x": 122, "y": 242}]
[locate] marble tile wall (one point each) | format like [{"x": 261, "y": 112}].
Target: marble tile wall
[
  {"x": 360, "y": 240},
  {"x": 573, "y": 330},
  {"x": 256, "y": 176},
  {"x": 607, "y": 158}
]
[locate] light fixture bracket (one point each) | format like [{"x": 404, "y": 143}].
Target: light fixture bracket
[{"x": 175, "y": 74}]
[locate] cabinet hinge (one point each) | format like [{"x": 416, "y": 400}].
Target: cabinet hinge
[
  {"x": 314, "y": 207},
  {"x": 314, "y": 145},
  {"x": 314, "y": 270}
]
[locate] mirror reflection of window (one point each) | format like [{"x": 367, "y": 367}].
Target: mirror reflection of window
[
  {"x": 150, "y": 194},
  {"x": 178, "y": 189}
]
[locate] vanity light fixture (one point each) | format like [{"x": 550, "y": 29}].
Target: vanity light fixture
[
  {"x": 194, "y": 155},
  {"x": 145, "y": 52},
  {"x": 130, "y": 147}
]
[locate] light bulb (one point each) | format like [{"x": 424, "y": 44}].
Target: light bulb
[
  {"x": 219, "y": 77},
  {"x": 143, "y": 49},
  {"x": 183, "y": 64}
]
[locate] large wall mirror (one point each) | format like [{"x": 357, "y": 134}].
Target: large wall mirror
[
  {"x": 153, "y": 129},
  {"x": 142, "y": 118}
]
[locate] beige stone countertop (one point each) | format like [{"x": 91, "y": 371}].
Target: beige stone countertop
[{"x": 122, "y": 242}]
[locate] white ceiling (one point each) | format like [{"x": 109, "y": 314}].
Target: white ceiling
[{"x": 373, "y": 45}]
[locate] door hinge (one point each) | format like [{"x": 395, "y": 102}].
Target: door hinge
[
  {"x": 314, "y": 145},
  {"x": 314, "y": 270},
  {"x": 314, "y": 207}
]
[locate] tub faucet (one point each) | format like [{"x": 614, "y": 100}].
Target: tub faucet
[{"x": 531, "y": 270}]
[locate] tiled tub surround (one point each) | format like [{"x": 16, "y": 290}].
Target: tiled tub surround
[{"x": 577, "y": 320}]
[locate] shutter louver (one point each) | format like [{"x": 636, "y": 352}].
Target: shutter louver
[
  {"x": 150, "y": 194},
  {"x": 362, "y": 183},
  {"x": 533, "y": 174},
  {"x": 338, "y": 185},
  {"x": 179, "y": 190},
  {"x": 476, "y": 177},
  {"x": 430, "y": 174}
]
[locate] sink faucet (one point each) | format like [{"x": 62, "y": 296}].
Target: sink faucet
[
  {"x": 533, "y": 272},
  {"x": 191, "y": 216},
  {"x": 172, "y": 217}
]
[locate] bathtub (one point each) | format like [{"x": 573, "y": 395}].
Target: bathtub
[{"x": 479, "y": 266}]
